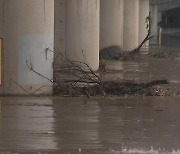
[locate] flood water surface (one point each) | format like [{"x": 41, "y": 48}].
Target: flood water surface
[
  {"x": 143, "y": 70},
  {"x": 98, "y": 125}
]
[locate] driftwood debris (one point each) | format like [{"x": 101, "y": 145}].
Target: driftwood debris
[
  {"x": 74, "y": 78},
  {"x": 73, "y": 74},
  {"x": 113, "y": 89}
]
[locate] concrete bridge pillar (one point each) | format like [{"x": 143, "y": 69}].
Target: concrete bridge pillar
[
  {"x": 131, "y": 24},
  {"x": 82, "y": 31},
  {"x": 143, "y": 14},
  {"x": 59, "y": 27},
  {"x": 111, "y": 23},
  {"x": 28, "y": 31},
  {"x": 154, "y": 24},
  {"x": 123, "y": 23}
]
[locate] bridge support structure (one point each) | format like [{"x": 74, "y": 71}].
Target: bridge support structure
[
  {"x": 77, "y": 29},
  {"x": 124, "y": 24},
  {"x": 27, "y": 30}
]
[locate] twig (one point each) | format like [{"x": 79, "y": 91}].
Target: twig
[
  {"x": 30, "y": 66},
  {"x": 21, "y": 87}
]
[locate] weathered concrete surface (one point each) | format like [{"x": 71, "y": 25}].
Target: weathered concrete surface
[
  {"x": 154, "y": 24},
  {"x": 131, "y": 25},
  {"x": 77, "y": 30},
  {"x": 28, "y": 31},
  {"x": 111, "y": 23},
  {"x": 82, "y": 31},
  {"x": 123, "y": 23}
]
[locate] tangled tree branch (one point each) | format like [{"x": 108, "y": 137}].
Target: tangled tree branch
[
  {"x": 71, "y": 73},
  {"x": 75, "y": 73}
]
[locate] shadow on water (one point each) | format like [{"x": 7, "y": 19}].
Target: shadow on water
[{"x": 99, "y": 125}]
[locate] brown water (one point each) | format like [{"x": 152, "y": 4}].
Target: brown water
[
  {"x": 99, "y": 125},
  {"x": 144, "y": 70},
  {"x": 111, "y": 125}
]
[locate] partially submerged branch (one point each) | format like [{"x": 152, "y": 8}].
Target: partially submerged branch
[
  {"x": 69, "y": 73},
  {"x": 115, "y": 52},
  {"x": 75, "y": 73},
  {"x": 75, "y": 78},
  {"x": 147, "y": 38}
]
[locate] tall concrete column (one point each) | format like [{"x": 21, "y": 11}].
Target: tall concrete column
[
  {"x": 111, "y": 23},
  {"x": 1, "y": 36},
  {"x": 154, "y": 24},
  {"x": 82, "y": 31},
  {"x": 28, "y": 32},
  {"x": 131, "y": 24},
  {"x": 143, "y": 14},
  {"x": 59, "y": 26}
]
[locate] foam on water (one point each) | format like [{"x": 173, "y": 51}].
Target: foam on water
[{"x": 141, "y": 151}]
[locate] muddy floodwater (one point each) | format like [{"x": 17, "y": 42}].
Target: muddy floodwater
[
  {"x": 143, "y": 70},
  {"x": 100, "y": 125}
]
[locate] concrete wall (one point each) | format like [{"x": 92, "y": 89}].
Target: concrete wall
[
  {"x": 111, "y": 23},
  {"x": 131, "y": 24},
  {"x": 28, "y": 31},
  {"x": 82, "y": 31}
]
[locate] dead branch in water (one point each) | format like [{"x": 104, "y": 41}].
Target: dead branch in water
[
  {"x": 147, "y": 38},
  {"x": 69, "y": 73},
  {"x": 33, "y": 93},
  {"x": 115, "y": 52},
  {"x": 75, "y": 73},
  {"x": 75, "y": 78}
]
